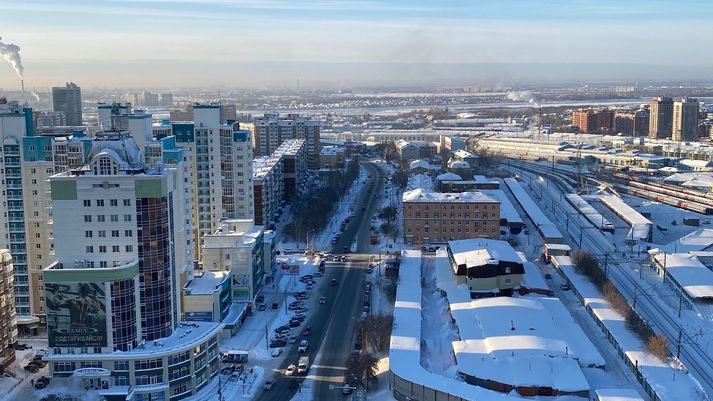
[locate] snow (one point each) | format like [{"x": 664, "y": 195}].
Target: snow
[
  {"x": 641, "y": 227},
  {"x": 691, "y": 179},
  {"x": 481, "y": 251},
  {"x": 667, "y": 381},
  {"x": 421, "y": 181},
  {"x": 589, "y": 212},
  {"x": 206, "y": 283},
  {"x": 699, "y": 240},
  {"x": 533, "y": 278},
  {"x": 617, "y": 395},
  {"x": 449, "y": 177},
  {"x": 419, "y": 195},
  {"x": 544, "y": 225},
  {"x": 522, "y": 341},
  {"x": 688, "y": 273},
  {"x": 507, "y": 210}
]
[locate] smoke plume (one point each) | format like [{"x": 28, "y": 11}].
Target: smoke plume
[
  {"x": 524, "y": 96},
  {"x": 11, "y": 53}
]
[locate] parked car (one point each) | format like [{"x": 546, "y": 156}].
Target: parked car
[
  {"x": 277, "y": 343},
  {"x": 290, "y": 370},
  {"x": 319, "y": 274},
  {"x": 268, "y": 384},
  {"x": 333, "y": 281},
  {"x": 277, "y": 352},
  {"x": 261, "y": 307},
  {"x": 295, "y": 323},
  {"x": 564, "y": 287},
  {"x": 307, "y": 331},
  {"x": 21, "y": 347},
  {"x": 292, "y": 340},
  {"x": 548, "y": 276},
  {"x": 282, "y": 329},
  {"x": 303, "y": 346},
  {"x": 260, "y": 298},
  {"x": 32, "y": 368},
  {"x": 228, "y": 370},
  {"x": 275, "y": 305},
  {"x": 42, "y": 382}
]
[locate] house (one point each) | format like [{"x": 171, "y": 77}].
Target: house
[{"x": 488, "y": 267}]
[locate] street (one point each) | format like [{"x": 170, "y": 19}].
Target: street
[{"x": 333, "y": 323}]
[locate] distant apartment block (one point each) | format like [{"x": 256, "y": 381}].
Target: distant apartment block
[
  {"x": 593, "y": 121},
  {"x": 442, "y": 217},
  {"x": 332, "y": 157},
  {"x": 271, "y": 131},
  {"x": 268, "y": 188},
  {"x": 413, "y": 150},
  {"x": 685, "y": 119},
  {"x": 661, "y": 117},
  {"x": 68, "y": 100},
  {"x": 294, "y": 166}
]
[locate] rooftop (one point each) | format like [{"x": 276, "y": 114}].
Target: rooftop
[
  {"x": 419, "y": 195},
  {"x": 205, "y": 284},
  {"x": 482, "y": 251},
  {"x": 688, "y": 273}
]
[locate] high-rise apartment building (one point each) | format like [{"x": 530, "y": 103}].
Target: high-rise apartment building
[
  {"x": 120, "y": 250},
  {"x": 661, "y": 117},
  {"x": 222, "y": 169},
  {"x": 8, "y": 320},
  {"x": 271, "y": 131},
  {"x": 593, "y": 121},
  {"x": 68, "y": 99},
  {"x": 685, "y": 119},
  {"x": 641, "y": 122},
  {"x": 15, "y": 123}
]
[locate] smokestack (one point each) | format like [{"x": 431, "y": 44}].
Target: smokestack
[{"x": 22, "y": 85}]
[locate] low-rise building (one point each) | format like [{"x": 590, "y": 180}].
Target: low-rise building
[
  {"x": 488, "y": 267},
  {"x": 331, "y": 157},
  {"x": 441, "y": 217},
  {"x": 412, "y": 150}
]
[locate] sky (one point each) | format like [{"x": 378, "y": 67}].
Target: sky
[{"x": 274, "y": 43}]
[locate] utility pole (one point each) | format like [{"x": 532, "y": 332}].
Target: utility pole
[
  {"x": 678, "y": 343},
  {"x": 606, "y": 264},
  {"x": 680, "y": 303},
  {"x": 634, "y": 306}
]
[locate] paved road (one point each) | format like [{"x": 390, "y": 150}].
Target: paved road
[{"x": 333, "y": 323}]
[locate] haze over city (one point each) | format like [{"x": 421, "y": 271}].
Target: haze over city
[{"x": 224, "y": 43}]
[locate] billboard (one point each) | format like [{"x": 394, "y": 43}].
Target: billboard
[{"x": 76, "y": 314}]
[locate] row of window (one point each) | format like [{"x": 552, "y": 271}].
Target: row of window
[
  {"x": 102, "y": 233},
  {"x": 461, "y": 206},
  {"x": 102, "y": 218},
  {"x": 112, "y": 202},
  {"x": 446, "y": 215},
  {"x": 467, "y": 230},
  {"x": 114, "y": 249}
]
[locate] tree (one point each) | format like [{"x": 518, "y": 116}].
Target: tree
[
  {"x": 658, "y": 345},
  {"x": 361, "y": 369},
  {"x": 400, "y": 179},
  {"x": 389, "y": 229},
  {"x": 387, "y": 213}
]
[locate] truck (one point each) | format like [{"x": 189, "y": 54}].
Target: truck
[{"x": 303, "y": 364}]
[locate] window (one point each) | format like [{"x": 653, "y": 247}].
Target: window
[
  {"x": 115, "y": 248},
  {"x": 102, "y": 263},
  {"x": 87, "y": 234},
  {"x": 87, "y": 203},
  {"x": 87, "y": 218},
  {"x": 114, "y": 218},
  {"x": 100, "y": 202},
  {"x": 101, "y": 233},
  {"x": 128, "y": 233},
  {"x": 115, "y": 233},
  {"x": 102, "y": 248},
  {"x": 89, "y": 249},
  {"x": 129, "y": 248},
  {"x": 114, "y": 202},
  {"x": 127, "y": 202},
  {"x": 127, "y": 217},
  {"x": 100, "y": 218}
]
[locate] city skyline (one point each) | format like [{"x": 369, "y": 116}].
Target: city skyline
[{"x": 249, "y": 43}]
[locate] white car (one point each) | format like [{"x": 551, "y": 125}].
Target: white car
[
  {"x": 303, "y": 346},
  {"x": 323, "y": 300},
  {"x": 290, "y": 370},
  {"x": 277, "y": 352}
]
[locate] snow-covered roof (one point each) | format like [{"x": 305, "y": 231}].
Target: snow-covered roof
[
  {"x": 421, "y": 181},
  {"x": 532, "y": 279},
  {"x": 449, "y": 177},
  {"x": 419, "y": 163},
  {"x": 523, "y": 341},
  {"x": 419, "y": 195},
  {"x": 543, "y": 223},
  {"x": 459, "y": 164},
  {"x": 507, "y": 210},
  {"x": 207, "y": 283},
  {"x": 691, "y": 179},
  {"x": 589, "y": 212},
  {"x": 699, "y": 240},
  {"x": 640, "y": 225},
  {"x": 689, "y": 273},
  {"x": 695, "y": 163},
  {"x": 482, "y": 251},
  {"x": 464, "y": 154},
  {"x": 405, "y": 347},
  {"x": 618, "y": 394}
]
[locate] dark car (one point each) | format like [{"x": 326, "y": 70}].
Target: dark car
[
  {"x": 260, "y": 298},
  {"x": 277, "y": 343},
  {"x": 295, "y": 323},
  {"x": 333, "y": 281},
  {"x": 282, "y": 328},
  {"x": 21, "y": 347},
  {"x": 275, "y": 305},
  {"x": 32, "y": 368},
  {"x": 42, "y": 382},
  {"x": 307, "y": 331}
]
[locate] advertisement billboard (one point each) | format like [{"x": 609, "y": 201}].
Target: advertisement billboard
[{"x": 76, "y": 314}]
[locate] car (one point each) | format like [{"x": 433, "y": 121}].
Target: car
[
  {"x": 292, "y": 340},
  {"x": 290, "y": 370},
  {"x": 275, "y": 305},
  {"x": 260, "y": 298},
  {"x": 366, "y": 309},
  {"x": 261, "y": 307},
  {"x": 277, "y": 343},
  {"x": 307, "y": 332},
  {"x": 299, "y": 316},
  {"x": 32, "y": 368},
  {"x": 295, "y": 323},
  {"x": 333, "y": 281},
  {"x": 564, "y": 287},
  {"x": 346, "y": 249},
  {"x": 310, "y": 286},
  {"x": 282, "y": 329},
  {"x": 268, "y": 384},
  {"x": 303, "y": 346},
  {"x": 319, "y": 274},
  {"x": 366, "y": 303},
  {"x": 342, "y": 258},
  {"x": 21, "y": 347},
  {"x": 548, "y": 276},
  {"x": 228, "y": 370},
  {"x": 277, "y": 352},
  {"x": 39, "y": 362},
  {"x": 321, "y": 263},
  {"x": 295, "y": 304},
  {"x": 42, "y": 382},
  {"x": 301, "y": 310},
  {"x": 323, "y": 300}
]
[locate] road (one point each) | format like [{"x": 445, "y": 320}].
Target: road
[{"x": 333, "y": 323}]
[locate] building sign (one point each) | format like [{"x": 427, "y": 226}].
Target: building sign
[
  {"x": 92, "y": 372},
  {"x": 199, "y": 316},
  {"x": 241, "y": 287},
  {"x": 76, "y": 315}
]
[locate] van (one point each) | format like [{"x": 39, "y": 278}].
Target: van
[{"x": 303, "y": 364}]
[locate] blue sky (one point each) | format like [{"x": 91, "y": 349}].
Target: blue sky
[{"x": 134, "y": 42}]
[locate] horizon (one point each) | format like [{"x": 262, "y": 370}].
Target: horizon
[{"x": 273, "y": 43}]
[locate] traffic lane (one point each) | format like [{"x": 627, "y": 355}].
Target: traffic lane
[{"x": 319, "y": 320}]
